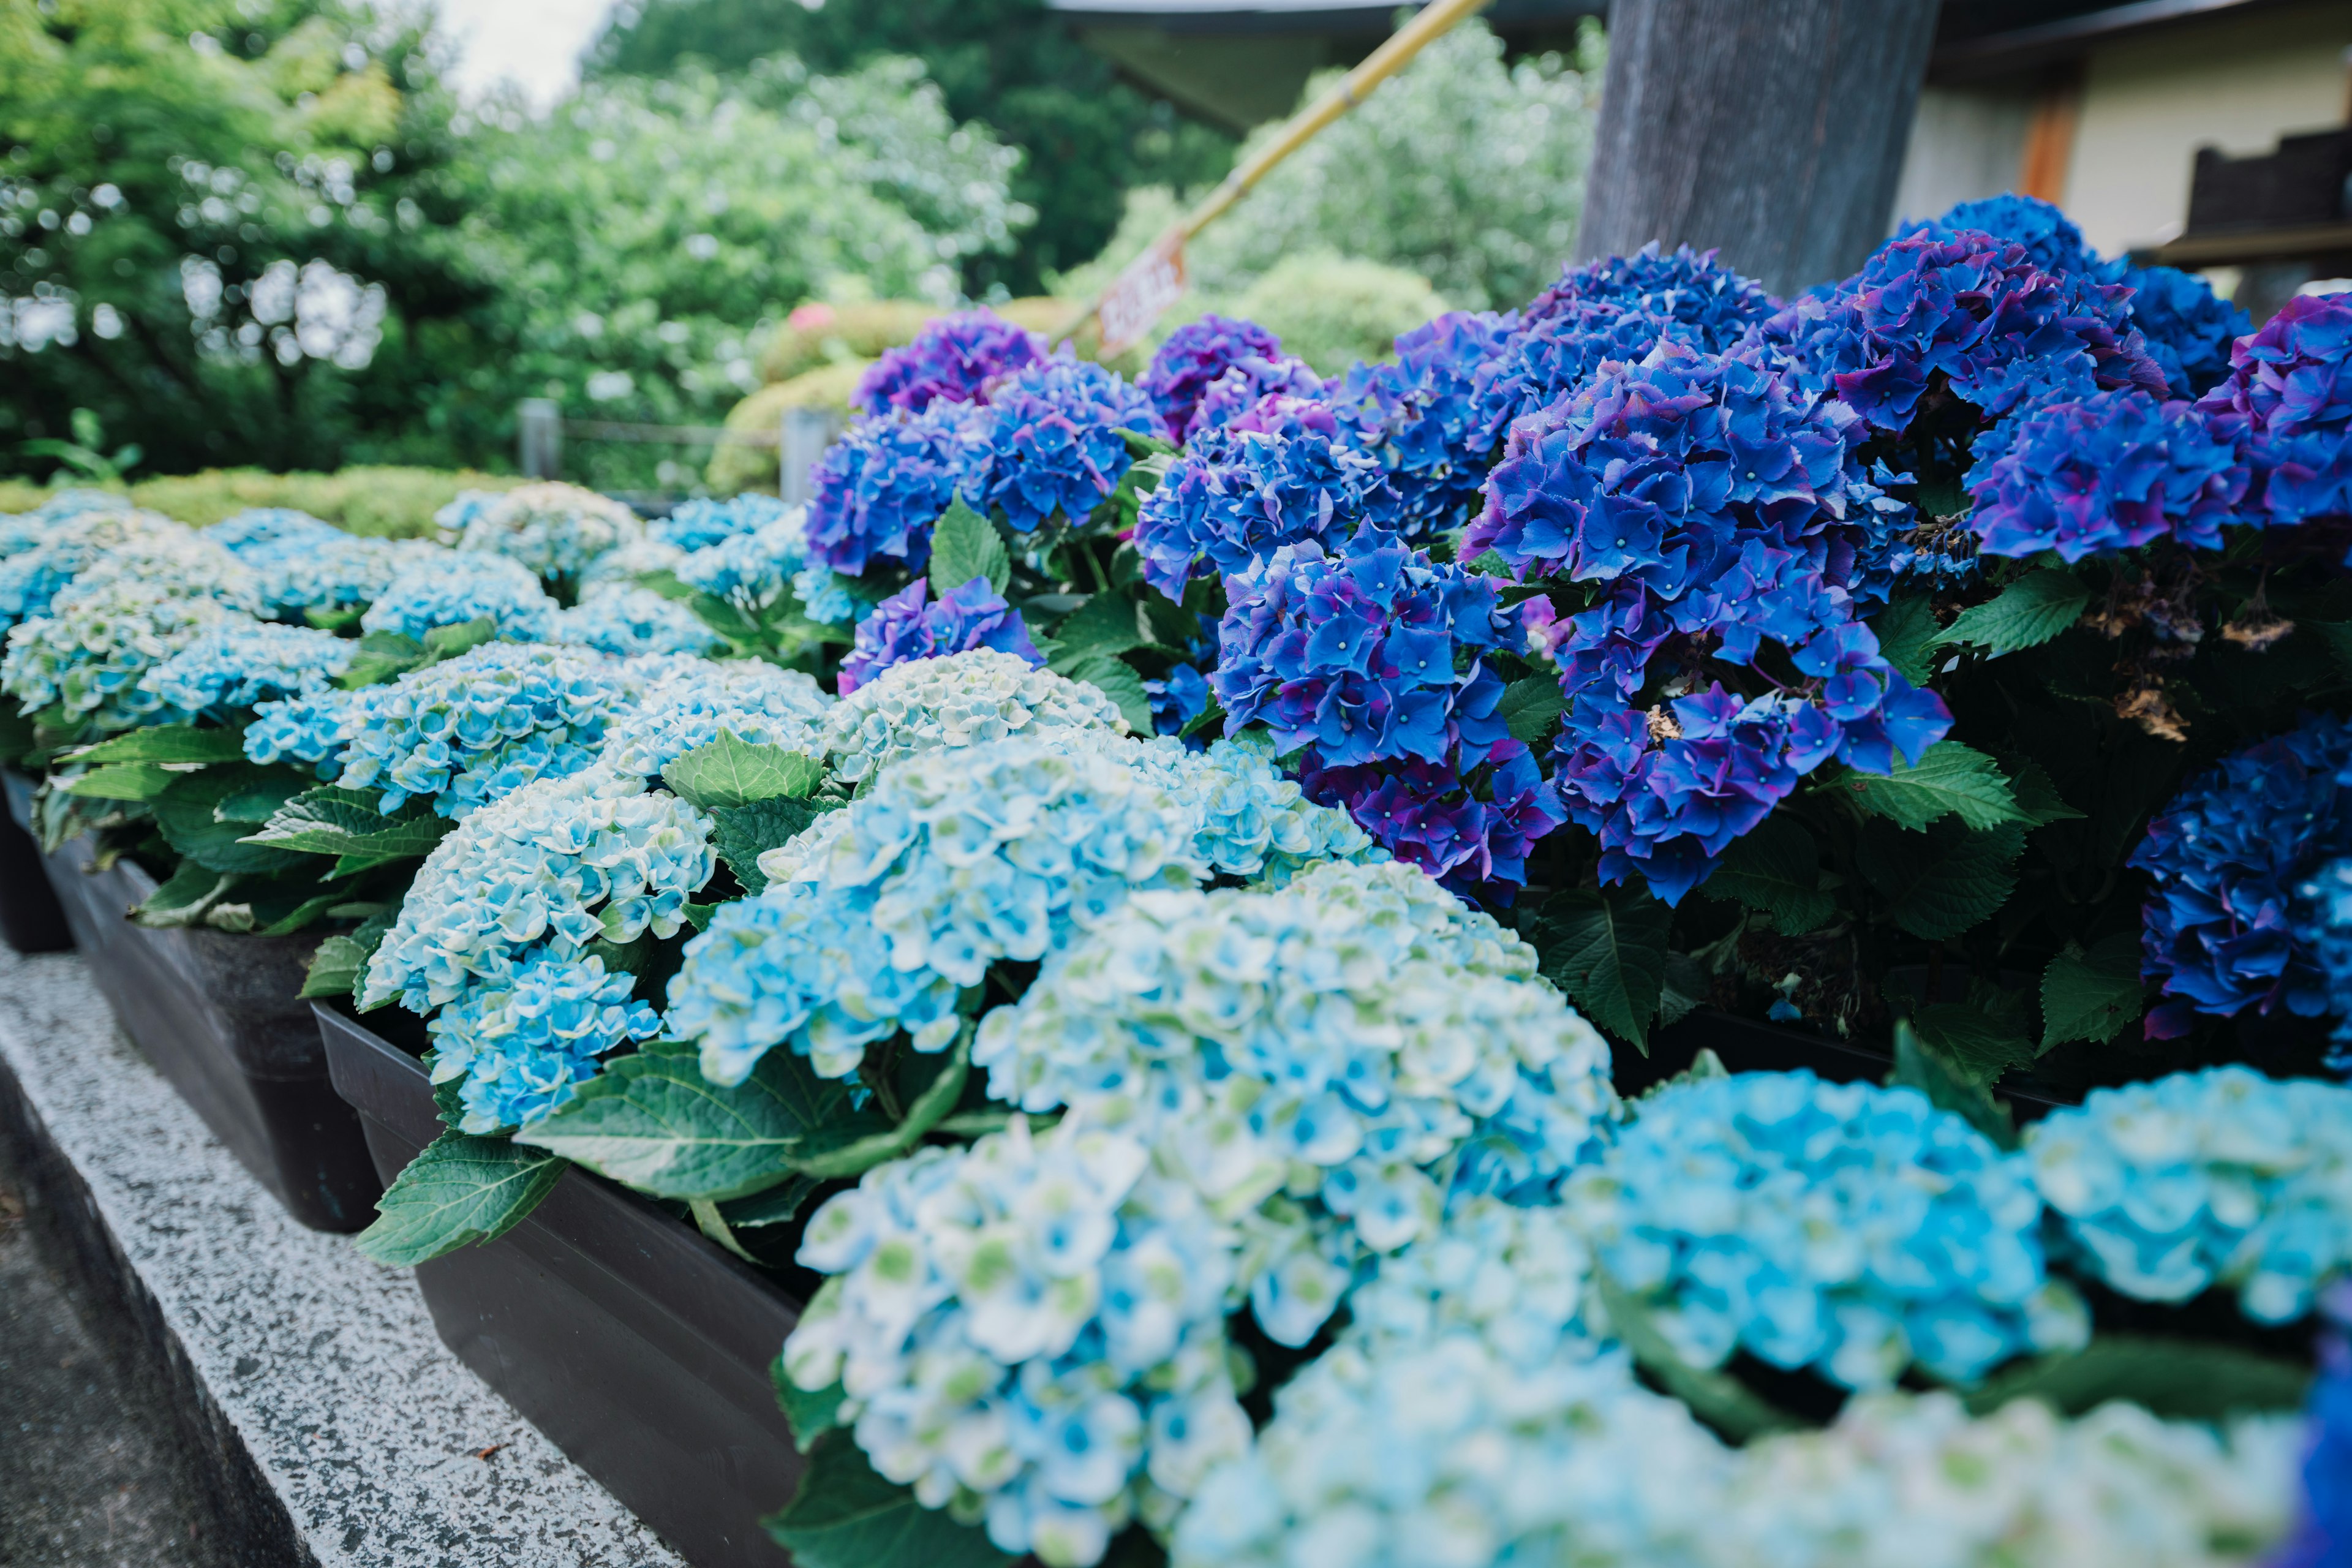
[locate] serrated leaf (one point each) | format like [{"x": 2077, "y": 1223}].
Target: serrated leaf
[
  {"x": 654, "y": 1122},
  {"x": 303, "y": 915},
  {"x": 2037, "y": 794},
  {"x": 1116, "y": 680},
  {"x": 166, "y": 743},
  {"x": 855, "y": 1156},
  {"x": 190, "y": 823},
  {"x": 845, "y": 1516},
  {"x": 779, "y": 1205},
  {"x": 1976, "y": 1046},
  {"x": 731, "y": 771},
  {"x": 1940, "y": 883},
  {"x": 744, "y": 833},
  {"x": 2179, "y": 1380},
  {"x": 1775, "y": 869},
  {"x": 1714, "y": 1396},
  {"x": 965, "y": 545},
  {"x": 458, "y": 1191},
  {"x": 1950, "y": 778},
  {"x": 1530, "y": 708},
  {"x": 2028, "y": 613},
  {"x": 1489, "y": 563},
  {"x": 121, "y": 780},
  {"x": 1607, "y": 949},
  {"x": 190, "y": 887},
  {"x": 1103, "y": 627},
  {"x": 2091, "y": 995},
  {"x": 335, "y": 968},
  {"x": 331, "y": 820},
  {"x": 811, "y": 1413},
  {"x": 1923, "y": 1067},
  {"x": 382, "y": 656},
  {"x": 448, "y": 642},
  {"x": 255, "y": 804},
  {"x": 1907, "y": 633}
]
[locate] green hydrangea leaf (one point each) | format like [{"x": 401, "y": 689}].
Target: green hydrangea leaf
[
  {"x": 1976, "y": 1046},
  {"x": 1104, "y": 626},
  {"x": 1907, "y": 633},
  {"x": 1923, "y": 1067},
  {"x": 850, "y": 1156},
  {"x": 448, "y": 642},
  {"x": 965, "y": 545},
  {"x": 331, "y": 820},
  {"x": 1607, "y": 949},
  {"x": 1774, "y": 869},
  {"x": 811, "y": 1415},
  {"x": 2037, "y": 794},
  {"x": 123, "y": 780},
  {"x": 335, "y": 968},
  {"x": 2091, "y": 995},
  {"x": 744, "y": 833},
  {"x": 460, "y": 1190},
  {"x": 166, "y": 744},
  {"x": 1530, "y": 707},
  {"x": 2028, "y": 613},
  {"x": 2179, "y": 1380},
  {"x": 845, "y": 1516},
  {"x": 189, "y": 820},
  {"x": 1950, "y": 778},
  {"x": 731, "y": 771},
  {"x": 779, "y": 1205},
  {"x": 1940, "y": 883},
  {"x": 382, "y": 656}
]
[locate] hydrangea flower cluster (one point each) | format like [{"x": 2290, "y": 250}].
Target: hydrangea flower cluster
[
  {"x": 2048, "y": 236},
  {"x": 1420, "y": 414},
  {"x": 454, "y": 519},
  {"x": 632, "y": 621},
  {"x": 947, "y": 864},
  {"x": 963, "y": 700},
  {"x": 497, "y": 925},
  {"x": 2225, "y": 927},
  {"x": 90, "y": 654},
  {"x": 336, "y": 572},
  {"x": 1372, "y": 661},
  {"x": 1243, "y": 492},
  {"x": 688, "y": 707},
  {"x": 1194, "y": 356},
  {"x": 1712, "y": 504},
  {"x": 2328, "y": 928},
  {"x": 124, "y": 546},
  {"x": 1434, "y": 1057},
  {"x": 2108, "y": 471},
  {"x": 239, "y": 662},
  {"x": 2221, "y": 1178},
  {"x": 312, "y": 727},
  {"x": 1048, "y": 443},
  {"x": 1251, "y": 820},
  {"x": 625, "y": 564},
  {"x": 953, "y": 359},
  {"x": 261, "y": 528},
  {"x": 1032, "y": 1329},
  {"x": 1845, "y": 1228},
  {"x": 552, "y": 529},
  {"x": 2326, "y": 1520},
  {"x": 1707, "y": 304},
  {"x": 451, "y": 588},
  {"x": 22, "y": 531},
  {"x": 702, "y": 521},
  {"x": 2288, "y": 396},
  {"x": 463, "y": 732},
  {"x": 1971, "y": 308},
  {"x": 877, "y": 491},
  {"x": 909, "y": 625},
  {"x": 749, "y": 569}
]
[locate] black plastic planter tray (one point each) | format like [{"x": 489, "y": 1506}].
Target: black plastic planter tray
[
  {"x": 638, "y": 1347},
  {"x": 30, "y": 920},
  {"x": 220, "y": 1016},
  {"x": 1747, "y": 1045}
]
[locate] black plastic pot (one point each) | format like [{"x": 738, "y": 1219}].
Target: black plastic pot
[
  {"x": 638, "y": 1347},
  {"x": 220, "y": 1016},
  {"x": 30, "y": 920},
  {"x": 1746, "y": 1046}
]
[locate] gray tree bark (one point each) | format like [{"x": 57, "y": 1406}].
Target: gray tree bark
[{"x": 1771, "y": 130}]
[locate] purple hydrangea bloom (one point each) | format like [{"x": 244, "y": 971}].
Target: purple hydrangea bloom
[
  {"x": 2049, "y": 238},
  {"x": 1239, "y": 396},
  {"x": 1712, "y": 506},
  {"x": 1280, "y": 474},
  {"x": 952, "y": 359},
  {"x": 1970, "y": 310},
  {"x": 2227, "y": 924},
  {"x": 2107, "y": 471},
  {"x": 1177, "y": 700},
  {"x": 1372, "y": 661},
  {"x": 1422, "y": 415},
  {"x": 1552, "y": 357},
  {"x": 1049, "y": 443},
  {"x": 1711, "y": 305},
  {"x": 1195, "y": 354},
  {"x": 880, "y": 488},
  {"x": 2288, "y": 396},
  {"x": 904, "y": 627}
]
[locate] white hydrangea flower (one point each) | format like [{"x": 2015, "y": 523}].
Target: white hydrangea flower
[
  {"x": 965, "y": 699},
  {"x": 688, "y": 703},
  {"x": 553, "y": 529}
]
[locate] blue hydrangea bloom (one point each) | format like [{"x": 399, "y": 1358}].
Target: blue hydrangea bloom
[
  {"x": 1178, "y": 699},
  {"x": 1436, "y": 1060},
  {"x": 453, "y": 519},
  {"x": 524, "y": 1043},
  {"x": 337, "y": 573},
  {"x": 23, "y": 530},
  {"x": 1258, "y": 395},
  {"x": 1248, "y": 819},
  {"x": 2288, "y": 396},
  {"x": 1233, "y": 498},
  {"x": 1845, "y": 1228},
  {"x": 1079, "y": 1297},
  {"x": 909, "y": 625},
  {"x": 1048, "y": 443},
  {"x": 120, "y": 546},
  {"x": 2216, "y": 1179},
  {"x": 749, "y": 570},
  {"x": 953, "y": 359},
  {"x": 2226, "y": 925},
  {"x": 2188, "y": 328},
  {"x": 240, "y": 662},
  {"x": 1710, "y": 304},
  {"x": 310, "y": 728},
  {"x": 463, "y": 732},
  {"x": 962, "y": 700},
  {"x": 2048, "y": 236},
  {"x": 879, "y": 489},
  {"x": 688, "y": 707},
  {"x": 1420, "y": 414},
  {"x": 2323, "y": 1533},
  {"x": 456, "y": 586},
  {"x": 556, "y": 531},
  {"x": 260, "y": 527},
  {"x": 1194, "y": 356},
  {"x": 700, "y": 522},
  {"x": 91, "y": 653},
  {"x": 2108, "y": 471},
  {"x": 634, "y": 620}
]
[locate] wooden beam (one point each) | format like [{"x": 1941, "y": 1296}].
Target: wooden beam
[{"x": 1772, "y": 129}]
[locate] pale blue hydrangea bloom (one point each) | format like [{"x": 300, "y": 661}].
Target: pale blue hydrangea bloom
[
  {"x": 703, "y": 522},
  {"x": 625, "y": 563},
  {"x": 332, "y": 573},
  {"x": 688, "y": 707},
  {"x": 949, "y": 863},
  {"x": 313, "y": 728},
  {"x": 2225, "y": 1177},
  {"x": 97, "y": 547},
  {"x": 964, "y": 700},
  {"x": 465, "y": 731},
  {"x": 241, "y": 662},
  {"x": 1360, "y": 1039},
  {"x": 23, "y": 530},
  {"x": 552, "y": 529},
  {"x": 265, "y": 527},
  {"x": 458, "y": 586},
  {"x": 454, "y": 519},
  {"x": 749, "y": 569},
  {"x": 1252, "y": 821},
  {"x": 524, "y": 1043},
  {"x": 618, "y": 620},
  {"x": 93, "y": 648},
  {"x": 1031, "y": 1329},
  {"x": 553, "y": 867},
  {"x": 828, "y": 599},
  {"x": 1845, "y": 1228}
]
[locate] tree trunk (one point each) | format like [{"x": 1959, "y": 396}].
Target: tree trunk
[{"x": 1771, "y": 130}]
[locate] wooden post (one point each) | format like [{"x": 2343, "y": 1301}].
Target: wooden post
[
  {"x": 1772, "y": 129},
  {"x": 538, "y": 438}
]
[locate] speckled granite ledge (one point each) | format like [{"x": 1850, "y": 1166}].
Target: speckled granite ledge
[{"x": 333, "y": 1425}]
